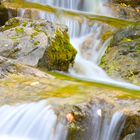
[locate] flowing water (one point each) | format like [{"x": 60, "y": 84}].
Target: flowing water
[
  {"x": 85, "y": 68},
  {"x": 104, "y": 128},
  {"x": 33, "y": 121},
  {"x": 37, "y": 121}
]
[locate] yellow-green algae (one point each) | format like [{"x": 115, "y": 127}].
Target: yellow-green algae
[
  {"x": 20, "y": 88},
  {"x": 11, "y": 24}
]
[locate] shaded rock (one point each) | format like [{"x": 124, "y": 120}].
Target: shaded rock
[
  {"x": 133, "y": 136},
  {"x": 37, "y": 43},
  {"x": 3, "y": 15},
  {"x": 132, "y": 125},
  {"x": 122, "y": 58}
]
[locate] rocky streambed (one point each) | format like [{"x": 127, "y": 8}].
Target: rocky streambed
[{"x": 29, "y": 48}]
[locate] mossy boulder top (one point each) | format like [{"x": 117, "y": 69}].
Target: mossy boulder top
[
  {"x": 122, "y": 58},
  {"x": 37, "y": 43},
  {"x": 129, "y": 2}
]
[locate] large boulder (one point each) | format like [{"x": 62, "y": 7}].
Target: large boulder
[
  {"x": 122, "y": 58},
  {"x": 10, "y": 66},
  {"x": 37, "y": 43}
]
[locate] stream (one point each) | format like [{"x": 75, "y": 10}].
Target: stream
[
  {"x": 86, "y": 64},
  {"x": 38, "y": 121}
]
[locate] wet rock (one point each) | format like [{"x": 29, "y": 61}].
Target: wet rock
[
  {"x": 132, "y": 125},
  {"x": 129, "y": 2},
  {"x": 124, "y": 11},
  {"x": 130, "y": 137},
  {"x": 133, "y": 136},
  {"x": 122, "y": 58},
  {"x": 9, "y": 66},
  {"x": 37, "y": 43}
]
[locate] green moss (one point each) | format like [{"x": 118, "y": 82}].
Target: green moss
[
  {"x": 106, "y": 35},
  {"x": 19, "y": 31},
  {"x": 34, "y": 34},
  {"x": 12, "y": 23},
  {"x": 25, "y": 24},
  {"x": 36, "y": 43},
  {"x": 60, "y": 53}
]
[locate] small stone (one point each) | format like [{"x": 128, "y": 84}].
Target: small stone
[{"x": 70, "y": 117}]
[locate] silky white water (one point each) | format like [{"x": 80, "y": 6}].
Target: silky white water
[
  {"x": 32, "y": 121},
  {"x": 95, "y": 6},
  {"x": 105, "y": 128}
]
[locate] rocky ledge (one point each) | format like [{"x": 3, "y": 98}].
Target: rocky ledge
[
  {"x": 37, "y": 43},
  {"x": 122, "y": 58}
]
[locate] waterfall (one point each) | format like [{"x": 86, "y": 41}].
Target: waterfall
[
  {"x": 104, "y": 128},
  {"x": 37, "y": 121},
  {"x": 83, "y": 68},
  {"x": 76, "y": 28},
  {"x": 32, "y": 121},
  {"x": 96, "y": 6}
]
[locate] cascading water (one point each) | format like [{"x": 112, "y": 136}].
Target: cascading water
[
  {"x": 33, "y": 121},
  {"x": 96, "y": 6},
  {"x": 79, "y": 32},
  {"x": 105, "y": 128},
  {"x": 76, "y": 28},
  {"x": 23, "y": 120}
]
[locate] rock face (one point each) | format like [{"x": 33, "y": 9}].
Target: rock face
[
  {"x": 125, "y": 12},
  {"x": 122, "y": 58},
  {"x": 37, "y": 43}
]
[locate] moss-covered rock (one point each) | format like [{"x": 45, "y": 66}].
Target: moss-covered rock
[
  {"x": 125, "y": 11},
  {"x": 122, "y": 58},
  {"x": 37, "y": 43},
  {"x": 128, "y": 2},
  {"x": 60, "y": 53}
]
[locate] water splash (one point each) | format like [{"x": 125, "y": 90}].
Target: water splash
[
  {"x": 33, "y": 121},
  {"x": 88, "y": 69}
]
